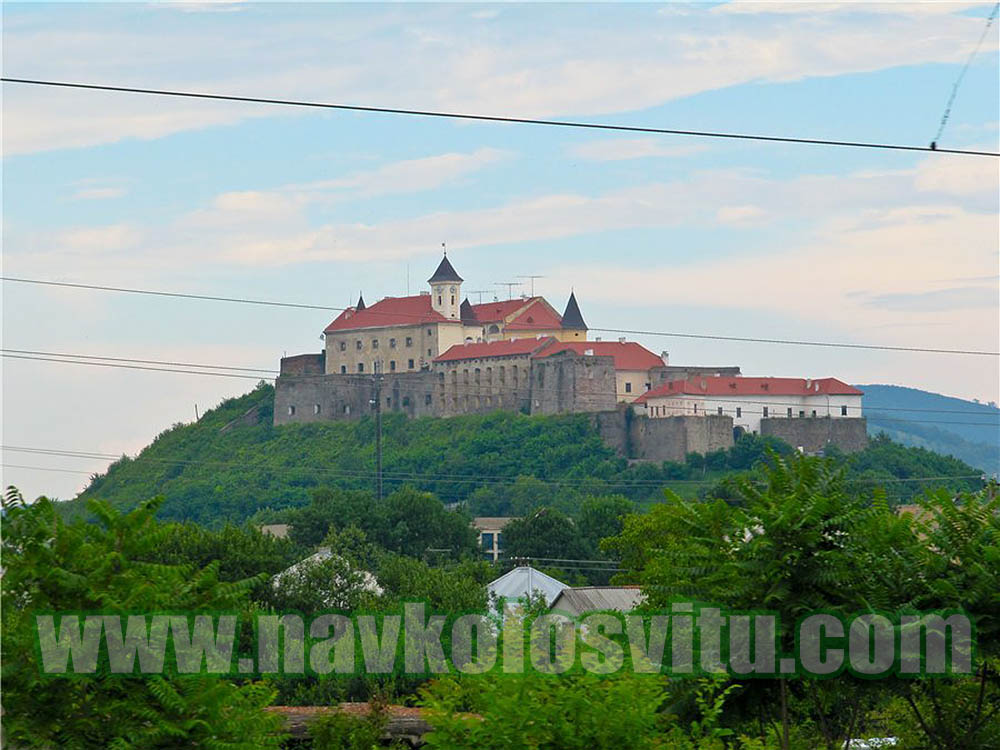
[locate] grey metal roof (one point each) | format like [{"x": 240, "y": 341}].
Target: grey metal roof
[
  {"x": 523, "y": 580},
  {"x": 445, "y": 272},
  {"x": 578, "y": 601}
]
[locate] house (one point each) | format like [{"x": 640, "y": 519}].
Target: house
[
  {"x": 748, "y": 400},
  {"x": 490, "y": 531},
  {"x": 583, "y": 599},
  {"x": 299, "y": 574},
  {"x": 521, "y": 582}
]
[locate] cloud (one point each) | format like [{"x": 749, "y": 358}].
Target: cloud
[
  {"x": 938, "y": 300},
  {"x": 98, "y": 193},
  {"x": 750, "y": 7},
  {"x": 592, "y": 62},
  {"x": 966, "y": 176},
  {"x": 740, "y": 214},
  {"x": 620, "y": 149},
  {"x": 409, "y": 176}
]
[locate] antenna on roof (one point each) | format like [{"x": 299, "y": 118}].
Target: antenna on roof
[
  {"x": 510, "y": 286},
  {"x": 532, "y": 277},
  {"x": 480, "y": 292}
]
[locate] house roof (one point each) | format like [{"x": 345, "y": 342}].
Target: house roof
[
  {"x": 571, "y": 317},
  {"x": 583, "y": 599},
  {"x": 483, "y": 349},
  {"x": 498, "y": 311},
  {"x": 445, "y": 272},
  {"x": 536, "y": 315},
  {"x": 523, "y": 580},
  {"x": 491, "y": 523},
  {"x": 628, "y": 355},
  {"x": 743, "y": 386},
  {"x": 391, "y": 311}
]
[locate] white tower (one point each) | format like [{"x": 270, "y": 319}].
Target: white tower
[{"x": 446, "y": 290}]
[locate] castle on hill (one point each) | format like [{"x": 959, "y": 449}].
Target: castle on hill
[{"x": 436, "y": 354}]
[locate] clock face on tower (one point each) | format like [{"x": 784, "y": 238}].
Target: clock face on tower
[{"x": 452, "y": 290}]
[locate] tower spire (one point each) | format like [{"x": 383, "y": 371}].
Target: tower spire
[
  {"x": 571, "y": 317},
  {"x": 361, "y": 303}
]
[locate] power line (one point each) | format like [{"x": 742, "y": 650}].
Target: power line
[
  {"x": 961, "y": 77},
  {"x": 134, "y": 367},
  {"x": 405, "y": 476},
  {"x": 422, "y": 318},
  {"x": 139, "y": 361},
  {"x": 467, "y": 389},
  {"x": 490, "y": 118}
]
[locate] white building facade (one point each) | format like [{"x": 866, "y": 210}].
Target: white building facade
[{"x": 749, "y": 400}]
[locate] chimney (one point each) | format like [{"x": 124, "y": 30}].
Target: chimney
[
  {"x": 809, "y": 384},
  {"x": 665, "y": 356},
  {"x": 621, "y": 339}
]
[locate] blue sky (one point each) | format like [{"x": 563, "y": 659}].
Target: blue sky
[{"x": 662, "y": 232}]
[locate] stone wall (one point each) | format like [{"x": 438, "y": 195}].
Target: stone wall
[
  {"x": 812, "y": 434},
  {"x": 663, "y": 439},
  {"x": 304, "y": 364},
  {"x": 317, "y": 398},
  {"x": 480, "y": 386},
  {"x": 568, "y": 382}
]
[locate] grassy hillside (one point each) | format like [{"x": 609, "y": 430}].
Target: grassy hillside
[
  {"x": 951, "y": 426},
  {"x": 234, "y": 463}
]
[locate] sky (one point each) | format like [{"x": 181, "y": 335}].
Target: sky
[{"x": 652, "y": 232}]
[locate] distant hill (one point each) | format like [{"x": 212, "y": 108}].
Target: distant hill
[
  {"x": 951, "y": 426},
  {"x": 233, "y": 464}
]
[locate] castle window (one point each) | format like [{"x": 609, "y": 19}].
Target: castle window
[
  {"x": 501, "y": 373},
  {"x": 357, "y": 345},
  {"x": 374, "y": 343},
  {"x": 392, "y": 343},
  {"x": 343, "y": 369},
  {"x": 343, "y": 346},
  {"x": 316, "y": 409},
  {"x": 765, "y": 412},
  {"x": 494, "y": 329},
  {"x": 392, "y": 365},
  {"x": 477, "y": 375},
  {"x": 291, "y": 410},
  {"x": 695, "y": 408},
  {"x": 720, "y": 411},
  {"x": 739, "y": 411},
  {"x": 814, "y": 412},
  {"x": 648, "y": 386},
  {"x": 789, "y": 412},
  {"x": 628, "y": 388},
  {"x": 430, "y": 353},
  {"x": 409, "y": 364},
  {"x": 430, "y": 331},
  {"x": 489, "y": 374},
  {"x": 802, "y": 413},
  {"x": 347, "y": 408},
  {"x": 361, "y": 366},
  {"x": 453, "y": 299},
  {"x": 427, "y": 399},
  {"x": 406, "y": 400},
  {"x": 439, "y": 300},
  {"x": 409, "y": 341},
  {"x": 843, "y": 411}
]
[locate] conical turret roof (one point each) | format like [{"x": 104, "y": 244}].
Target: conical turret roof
[
  {"x": 571, "y": 317},
  {"x": 444, "y": 272}
]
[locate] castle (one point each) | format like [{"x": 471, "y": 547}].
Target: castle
[{"x": 436, "y": 354}]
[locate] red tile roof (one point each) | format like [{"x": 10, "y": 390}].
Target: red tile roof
[
  {"x": 496, "y": 312},
  {"x": 538, "y": 316},
  {"x": 391, "y": 311},
  {"x": 742, "y": 386},
  {"x": 628, "y": 355},
  {"x": 483, "y": 350}
]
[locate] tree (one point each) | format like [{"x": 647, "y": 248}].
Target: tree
[
  {"x": 53, "y": 566},
  {"x": 546, "y": 533}
]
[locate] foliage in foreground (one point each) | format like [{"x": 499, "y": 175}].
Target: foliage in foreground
[{"x": 52, "y": 566}]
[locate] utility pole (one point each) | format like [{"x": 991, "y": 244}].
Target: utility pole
[{"x": 377, "y": 384}]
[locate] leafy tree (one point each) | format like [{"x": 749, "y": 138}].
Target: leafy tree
[
  {"x": 546, "y": 533},
  {"x": 54, "y": 566}
]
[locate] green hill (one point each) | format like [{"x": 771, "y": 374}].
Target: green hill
[
  {"x": 968, "y": 430},
  {"x": 233, "y": 463}
]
